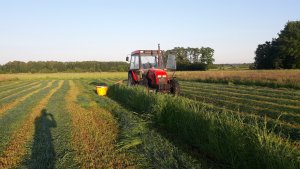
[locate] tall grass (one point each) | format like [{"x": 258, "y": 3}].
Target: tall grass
[
  {"x": 146, "y": 147},
  {"x": 269, "y": 78},
  {"x": 221, "y": 136}
]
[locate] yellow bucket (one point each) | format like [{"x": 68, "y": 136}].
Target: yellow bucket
[{"x": 101, "y": 90}]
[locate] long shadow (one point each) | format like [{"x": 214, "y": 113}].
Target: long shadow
[{"x": 43, "y": 153}]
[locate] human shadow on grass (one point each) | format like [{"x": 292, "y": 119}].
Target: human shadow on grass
[{"x": 43, "y": 153}]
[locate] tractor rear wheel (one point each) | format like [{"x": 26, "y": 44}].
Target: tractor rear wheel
[
  {"x": 174, "y": 87},
  {"x": 130, "y": 81}
]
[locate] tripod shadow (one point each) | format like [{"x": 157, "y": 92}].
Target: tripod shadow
[{"x": 43, "y": 153}]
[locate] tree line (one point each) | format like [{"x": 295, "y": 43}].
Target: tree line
[
  {"x": 55, "y": 66},
  {"x": 192, "y": 58},
  {"x": 186, "y": 59},
  {"x": 282, "y": 52}
]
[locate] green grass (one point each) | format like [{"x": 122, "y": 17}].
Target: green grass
[
  {"x": 289, "y": 100},
  {"x": 8, "y": 83},
  {"x": 254, "y": 90},
  {"x": 146, "y": 147},
  {"x": 243, "y": 104},
  {"x": 14, "y": 86},
  {"x": 13, "y": 97},
  {"x": 51, "y": 146},
  {"x": 222, "y": 136},
  {"x": 247, "y": 101},
  {"x": 223, "y": 127},
  {"x": 17, "y": 89},
  {"x": 12, "y": 119},
  {"x": 267, "y": 78}
]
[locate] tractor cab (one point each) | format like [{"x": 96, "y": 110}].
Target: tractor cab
[
  {"x": 143, "y": 59},
  {"x": 147, "y": 68}
]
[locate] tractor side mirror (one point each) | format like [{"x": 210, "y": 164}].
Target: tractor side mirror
[{"x": 127, "y": 58}]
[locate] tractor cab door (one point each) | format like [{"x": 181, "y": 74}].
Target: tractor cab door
[
  {"x": 134, "y": 62},
  {"x": 133, "y": 74}
]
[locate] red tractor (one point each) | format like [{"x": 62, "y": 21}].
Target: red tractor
[{"x": 147, "y": 68}]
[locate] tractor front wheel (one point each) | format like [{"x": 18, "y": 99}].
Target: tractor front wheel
[{"x": 174, "y": 87}]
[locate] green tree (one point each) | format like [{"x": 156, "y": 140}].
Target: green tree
[
  {"x": 207, "y": 54},
  {"x": 289, "y": 45},
  {"x": 193, "y": 54},
  {"x": 192, "y": 58},
  {"x": 181, "y": 54},
  {"x": 265, "y": 56},
  {"x": 282, "y": 52}
]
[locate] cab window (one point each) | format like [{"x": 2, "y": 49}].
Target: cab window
[{"x": 134, "y": 62}]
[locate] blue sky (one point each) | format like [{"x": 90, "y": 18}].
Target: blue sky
[{"x": 73, "y": 30}]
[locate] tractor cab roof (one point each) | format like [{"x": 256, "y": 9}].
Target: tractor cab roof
[{"x": 146, "y": 52}]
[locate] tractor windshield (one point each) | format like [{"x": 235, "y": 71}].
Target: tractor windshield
[{"x": 148, "y": 61}]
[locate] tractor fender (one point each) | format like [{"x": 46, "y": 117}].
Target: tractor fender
[{"x": 133, "y": 75}]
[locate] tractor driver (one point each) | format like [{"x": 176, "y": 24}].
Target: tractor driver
[{"x": 147, "y": 65}]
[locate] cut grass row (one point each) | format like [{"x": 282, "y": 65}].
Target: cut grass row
[
  {"x": 16, "y": 148},
  {"x": 145, "y": 146},
  {"x": 288, "y": 101},
  {"x": 13, "y": 118},
  {"x": 13, "y": 86},
  {"x": 222, "y": 136},
  {"x": 262, "y": 91},
  {"x": 7, "y": 83},
  {"x": 17, "y": 89},
  {"x": 60, "y": 133},
  {"x": 246, "y": 105},
  {"x": 9, "y": 102},
  {"x": 280, "y": 127},
  {"x": 51, "y": 144},
  {"x": 288, "y": 115},
  {"x": 240, "y": 98},
  {"x": 94, "y": 131}
]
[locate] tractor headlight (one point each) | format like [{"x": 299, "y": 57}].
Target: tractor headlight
[
  {"x": 159, "y": 76},
  {"x": 164, "y": 76}
]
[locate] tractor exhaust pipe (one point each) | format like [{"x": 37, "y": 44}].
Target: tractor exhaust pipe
[{"x": 159, "y": 57}]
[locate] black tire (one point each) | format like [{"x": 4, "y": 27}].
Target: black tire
[
  {"x": 145, "y": 82},
  {"x": 175, "y": 87},
  {"x": 130, "y": 81}
]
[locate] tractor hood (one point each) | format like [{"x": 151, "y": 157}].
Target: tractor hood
[
  {"x": 158, "y": 76},
  {"x": 157, "y": 71}
]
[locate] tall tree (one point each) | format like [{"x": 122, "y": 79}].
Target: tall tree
[
  {"x": 192, "y": 58},
  {"x": 289, "y": 45},
  {"x": 282, "y": 52},
  {"x": 265, "y": 56},
  {"x": 181, "y": 54},
  {"x": 207, "y": 54}
]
